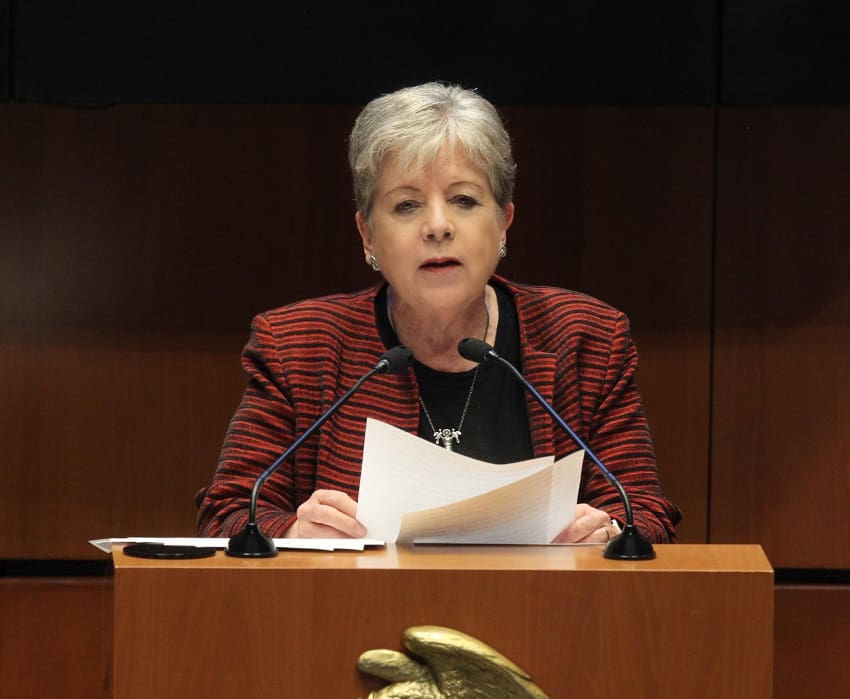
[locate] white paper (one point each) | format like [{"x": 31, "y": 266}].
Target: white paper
[
  {"x": 105, "y": 545},
  {"x": 415, "y": 491}
]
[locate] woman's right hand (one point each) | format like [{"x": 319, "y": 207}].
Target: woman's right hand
[{"x": 327, "y": 514}]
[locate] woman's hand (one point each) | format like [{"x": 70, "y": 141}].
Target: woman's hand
[
  {"x": 589, "y": 526},
  {"x": 328, "y": 514}
]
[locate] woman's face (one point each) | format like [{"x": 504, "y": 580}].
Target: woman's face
[{"x": 435, "y": 233}]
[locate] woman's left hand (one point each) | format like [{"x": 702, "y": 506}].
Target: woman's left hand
[{"x": 589, "y": 526}]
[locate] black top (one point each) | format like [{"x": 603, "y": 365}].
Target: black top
[{"x": 496, "y": 426}]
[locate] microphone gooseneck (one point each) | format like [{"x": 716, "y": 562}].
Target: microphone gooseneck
[
  {"x": 630, "y": 544},
  {"x": 251, "y": 542}
]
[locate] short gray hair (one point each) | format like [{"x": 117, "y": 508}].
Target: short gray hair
[{"x": 414, "y": 123}]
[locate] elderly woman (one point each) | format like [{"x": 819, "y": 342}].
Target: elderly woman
[{"x": 433, "y": 182}]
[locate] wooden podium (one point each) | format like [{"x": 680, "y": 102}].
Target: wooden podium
[{"x": 695, "y": 622}]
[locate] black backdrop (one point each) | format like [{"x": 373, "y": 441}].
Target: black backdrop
[
  {"x": 618, "y": 52},
  {"x": 6, "y": 49}
]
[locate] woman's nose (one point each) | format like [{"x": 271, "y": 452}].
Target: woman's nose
[{"x": 437, "y": 224}]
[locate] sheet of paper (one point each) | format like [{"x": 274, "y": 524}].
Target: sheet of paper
[
  {"x": 105, "y": 545},
  {"x": 405, "y": 479},
  {"x": 517, "y": 513}
]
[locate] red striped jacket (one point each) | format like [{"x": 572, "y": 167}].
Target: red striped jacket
[{"x": 576, "y": 351}]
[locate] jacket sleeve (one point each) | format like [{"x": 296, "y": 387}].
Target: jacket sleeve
[
  {"x": 260, "y": 430},
  {"x": 619, "y": 436}
]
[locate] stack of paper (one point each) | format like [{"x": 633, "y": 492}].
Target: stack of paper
[{"x": 415, "y": 491}]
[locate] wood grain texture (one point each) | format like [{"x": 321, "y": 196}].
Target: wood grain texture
[
  {"x": 576, "y": 622},
  {"x": 56, "y": 638},
  {"x": 780, "y": 443},
  {"x": 617, "y": 203},
  {"x": 812, "y": 642},
  {"x": 107, "y": 440}
]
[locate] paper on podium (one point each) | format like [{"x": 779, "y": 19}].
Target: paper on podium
[
  {"x": 105, "y": 545},
  {"x": 414, "y": 491}
]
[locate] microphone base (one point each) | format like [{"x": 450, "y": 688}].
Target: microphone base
[
  {"x": 251, "y": 543},
  {"x": 630, "y": 545}
]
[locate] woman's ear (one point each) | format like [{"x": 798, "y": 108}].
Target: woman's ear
[
  {"x": 365, "y": 234},
  {"x": 508, "y": 216}
]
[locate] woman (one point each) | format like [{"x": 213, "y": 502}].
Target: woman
[{"x": 433, "y": 181}]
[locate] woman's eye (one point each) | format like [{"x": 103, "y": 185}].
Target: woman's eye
[
  {"x": 405, "y": 207},
  {"x": 465, "y": 202}
]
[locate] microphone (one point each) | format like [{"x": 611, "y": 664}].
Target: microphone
[
  {"x": 630, "y": 544},
  {"x": 251, "y": 542}
]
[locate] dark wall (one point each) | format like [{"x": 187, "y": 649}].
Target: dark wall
[
  {"x": 5, "y": 49},
  {"x": 98, "y": 52},
  {"x": 785, "y": 52},
  {"x": 736, "y": 52}
]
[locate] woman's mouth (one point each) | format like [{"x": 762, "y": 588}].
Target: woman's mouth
[{"x": 439, "y": 264}]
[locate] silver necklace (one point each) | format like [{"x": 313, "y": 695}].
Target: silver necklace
[{"x": 446, "y": 434}]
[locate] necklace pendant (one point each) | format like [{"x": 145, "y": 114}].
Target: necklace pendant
[{"x": 446, "y": 436}]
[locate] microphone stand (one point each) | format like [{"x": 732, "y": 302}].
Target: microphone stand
[
  {"x": 251, "y": 542},
  {"x": 630, "y": 544}
]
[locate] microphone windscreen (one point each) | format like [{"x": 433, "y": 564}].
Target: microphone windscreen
[
  {"x": 396, "y": 360},
  {"x": 475, "y": 350}
]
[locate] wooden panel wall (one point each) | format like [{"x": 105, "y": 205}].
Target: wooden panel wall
[
  {"x": 139, "y": 240},
  {"x": 617, "y": 202},
  {"x": 812, "y": 643},
  {"x": 780, "y": 437},
  {"x": 137, "y": 244},
  {"x": 56, "y": 638},
  {"x": 780, "y": 441}
]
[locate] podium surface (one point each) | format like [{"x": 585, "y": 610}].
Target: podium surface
[{"x": 697, "y": 621}]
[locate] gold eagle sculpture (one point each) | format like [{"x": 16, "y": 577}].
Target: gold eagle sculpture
[{"x": 454, "y": 666}]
